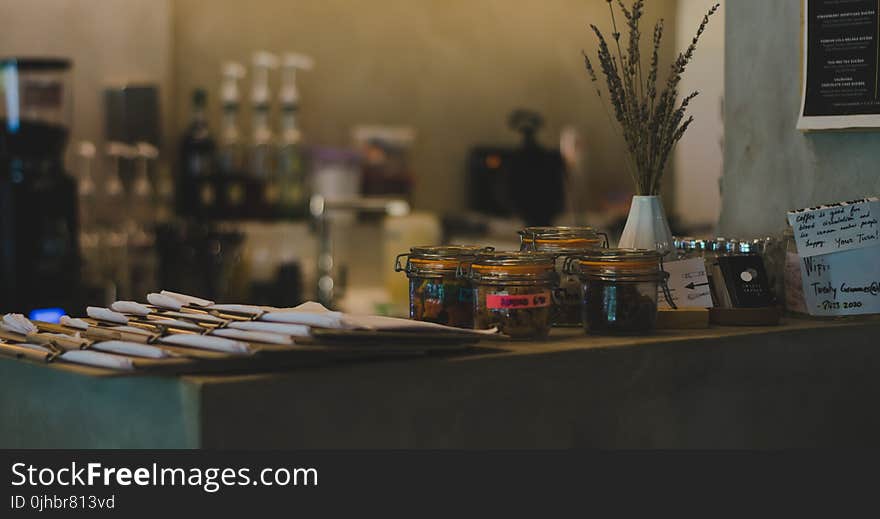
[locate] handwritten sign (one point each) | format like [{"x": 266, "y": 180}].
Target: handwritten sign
[
  {"x": 837, "y": 227},
  {"x": 843, "y": 283},
  {"x": 688, "y": 284}
]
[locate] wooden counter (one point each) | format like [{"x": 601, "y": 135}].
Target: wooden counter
[{"x": 806, "y": 383}]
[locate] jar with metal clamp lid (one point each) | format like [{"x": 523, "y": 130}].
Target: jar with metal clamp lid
[
  {"x": 436, "y": 292},
  {"x": 564, "y": 242},
  {"x": 513, "y": 291},
  {"x": 620, "y": 289}
]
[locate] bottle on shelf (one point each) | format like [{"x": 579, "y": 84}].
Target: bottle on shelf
[
  {"x": 142, "y": 234},
  {"x": 87, "y": 202},
  {"x": 143, "y": 201},
  {"x": 114, "y": 221},
  {"x": 87, "y": 191},
  {"x": 231, "y": 152},
  {"x": 290, "y": 163},
  {"x": 263, "y": 190},
  {"x": 196, "y": 189}
]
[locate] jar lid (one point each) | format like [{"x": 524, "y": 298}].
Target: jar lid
[
  {"x": 513, "y": 266},
  {"x": 731, "y": 246},
  {"x": 690, "y": 244},
  {"x": 445, "y": 252},
  {"x": 620, "y": 264},
  {"x": 536, "y": 231},
  {"x": 562, "y": 239},
  {"x": 438, "y": 259},
  {"x": 747, "y": 247}
]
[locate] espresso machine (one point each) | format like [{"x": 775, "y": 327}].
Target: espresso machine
[{"x": 39, "y": 252}]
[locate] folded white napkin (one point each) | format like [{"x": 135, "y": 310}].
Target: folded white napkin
[
  {"x": 95, "y": 358},
  {"x": 292, "y": 330},
  {"x": 130, "y": 307},
  {"x": 187, "y": 300},
  {"x": 378, "y": 322},
  {"x": 324, "y": 320},
  {"x": 105, "y": 314},
  {"x": 18, "y": 323},
  {"x": 71, "y": 322},
  {"x": 207, "y": 343},
  {"x": 308, "y": 306},
  {"x": 131, "y": 348},
  {"x": 163, "y": 301},
  {"x": 243, "y": 335},
  {"x": 316, "y": 315},
  {"x": 240, "y": 309}
]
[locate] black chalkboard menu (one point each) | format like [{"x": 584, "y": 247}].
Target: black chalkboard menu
[{"x": 841, "y": 64}]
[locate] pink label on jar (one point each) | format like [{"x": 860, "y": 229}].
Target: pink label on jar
[{"x": 504, "y": 301}]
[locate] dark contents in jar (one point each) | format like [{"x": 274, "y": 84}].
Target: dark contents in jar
[
  {"x": 444, "y": 300},
  {"x": 617, "y": 307},
  {"x": 516, "y": 321},
  {"x": 567, "y": 303}
]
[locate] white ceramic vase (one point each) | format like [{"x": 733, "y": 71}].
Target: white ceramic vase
[{"x": 646, "y": 226}]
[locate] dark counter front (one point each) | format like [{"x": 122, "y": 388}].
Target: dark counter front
[{"x": 802, "y": 384}]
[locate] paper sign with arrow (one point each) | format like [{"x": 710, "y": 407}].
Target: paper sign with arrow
[{"x": 688, "y": 284}]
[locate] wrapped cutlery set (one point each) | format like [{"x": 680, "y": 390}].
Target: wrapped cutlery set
[{"x": 177, "y": 333}]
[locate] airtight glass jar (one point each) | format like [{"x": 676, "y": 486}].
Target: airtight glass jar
[
  {"x": 513, "y": 291},
  {"x": 564, "y": 242},
  {"x": 436, "y": 293},
  {"x": 620, "y": 290}
]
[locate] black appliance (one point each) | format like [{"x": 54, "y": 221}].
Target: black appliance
[
  {"x": 526, "y": 182},
  {"x": 39, "y": 251}
]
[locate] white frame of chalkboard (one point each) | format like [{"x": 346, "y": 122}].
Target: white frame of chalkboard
[{"x": 828, "y": 122}]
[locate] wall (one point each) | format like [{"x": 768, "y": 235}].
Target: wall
[
  {"x": 769, "y": 166},
  {"x": 698, "y": 156},
  {"x": 108, "y": 41},
  {"x": 452, "y": 68}
]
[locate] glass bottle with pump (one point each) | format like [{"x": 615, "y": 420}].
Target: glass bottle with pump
[
  {"x": 290, "y": 162},
  {"x": 142, "y": 237},
  {"x": 115, "y": 236},
  {"x": 263, "y": 191},
  {"x": 87, "y": 191},
  {"x": 230, "y": 153}
]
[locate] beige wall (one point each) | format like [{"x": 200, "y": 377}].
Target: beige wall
[
  {"x": 699, "y": 157},
  {"x": 109, "y": 41},
  {"x": 451, "y": 68}
]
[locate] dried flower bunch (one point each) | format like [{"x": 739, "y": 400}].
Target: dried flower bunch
[{"x": 652, "y": 122}]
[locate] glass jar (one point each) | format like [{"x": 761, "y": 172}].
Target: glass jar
[
  {"x": 513, "y": 291},
  {"x": 564, "y": 242},
  {"x": 685, "y": 247},
  {"x": 561, "y": 239},
  {"x": 772, "y": 250},
  {"x": 793, "y": 286},
  {"x": 620, "y": 290},
  {"x": 436, "y": 293}
]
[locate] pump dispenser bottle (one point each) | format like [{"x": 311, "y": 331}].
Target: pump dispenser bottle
[
  {"x": 291, "y": 160},
  {"x": 263, "y": 190},
  {"x": 231, "y": 152}
]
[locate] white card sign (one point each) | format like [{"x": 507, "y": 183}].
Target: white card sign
[
  {"x": 688, "y": 284},
  {"x": 837, "y": 227},
  {"x": 843, "y": 283}
]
